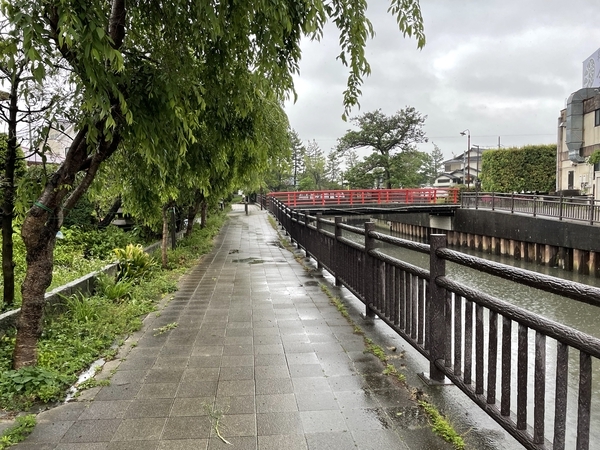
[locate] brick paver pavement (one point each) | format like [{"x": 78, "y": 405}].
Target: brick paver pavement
[{"x": 257, "y": 345}]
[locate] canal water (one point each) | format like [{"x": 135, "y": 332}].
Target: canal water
[{"x": 581, "y": 316}]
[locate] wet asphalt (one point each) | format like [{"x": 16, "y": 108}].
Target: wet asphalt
[{"x": 259, "y": 359}]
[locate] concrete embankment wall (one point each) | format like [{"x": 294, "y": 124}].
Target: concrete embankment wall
[
  {"x": 569, "y": 245},
  {"x": 84, "y": 285}
]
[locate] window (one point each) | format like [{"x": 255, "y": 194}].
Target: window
[
  {"x": 597, "y": 117},
  {"x": 570, "y": 179}
]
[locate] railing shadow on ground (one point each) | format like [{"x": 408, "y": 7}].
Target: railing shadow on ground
[{"x": 530, "y": 374}]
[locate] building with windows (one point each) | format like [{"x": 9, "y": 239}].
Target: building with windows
[
  {"x": 578, "y": 138},
  {"x": 456, "y": 168},
  {"x": 56, "y": 146}
]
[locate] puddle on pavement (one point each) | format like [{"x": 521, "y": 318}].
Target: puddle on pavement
[
  {"x": 257, "y": 261},
  {"x": 89, "y": 373},
  {"x": 311, "y": 283}
]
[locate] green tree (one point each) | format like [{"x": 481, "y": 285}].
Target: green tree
[
  {"x": 436, "y": 164},
  {"x": 410, "y": 169},
  {"x": 314, "y": 176},
  {"x": 298, "y": 151},
  {"x": 385, "y": 136},
  {"x": 25, "y": 102},
  {"x": 333, "y": 170},
  {"x": 518, "y": 169},
  {"x": 145, "y": 69},
  {"x": 365, "y": 174}
]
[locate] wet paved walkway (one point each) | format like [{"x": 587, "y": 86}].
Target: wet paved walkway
[{"x": 258, "y": 345}]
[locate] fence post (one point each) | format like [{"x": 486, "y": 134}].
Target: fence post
[
  {"x": 319, "y": 238},
  {"x": 591, "y": 211},
  {"x": 370, "y": 278},
  {"x": 436, "y": 322},
  {"x": 512, "y": 202},
  {"x": 337, "y": 255},
  {"x": 534, "y": 206},
  {"x": 560, "y": 206},
  {"x": 246, "y": 206},
  {"x": 493, "y": 200}
]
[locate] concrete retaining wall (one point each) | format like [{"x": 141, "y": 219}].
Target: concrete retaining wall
[
  {"x": 568, "y": 245},
  {"x": 84, "y": 285}
]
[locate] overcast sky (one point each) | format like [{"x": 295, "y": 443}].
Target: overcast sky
[{"x": 502, "y": 69}]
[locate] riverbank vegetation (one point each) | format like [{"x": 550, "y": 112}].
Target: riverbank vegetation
[{"x": 82, "y": 329}]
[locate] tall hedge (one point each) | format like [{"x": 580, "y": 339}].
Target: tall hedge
[{"x": 517, "y": 169}]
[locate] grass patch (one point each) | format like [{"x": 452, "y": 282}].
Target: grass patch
[
  {"x": 165, "y": 328},
  {"x": 391, "y": 370},
  {"x": 441, "y": 426},
  {"x": 82, "y": 329},
  {"x": 18, "y": 432}
]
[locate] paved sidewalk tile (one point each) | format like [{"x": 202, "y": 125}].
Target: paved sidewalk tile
[{"x": 260, "y": 358}]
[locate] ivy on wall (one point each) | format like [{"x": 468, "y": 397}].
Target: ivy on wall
[{"x": 518, "y": 169}]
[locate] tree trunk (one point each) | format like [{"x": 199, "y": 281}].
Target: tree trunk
[
  {"x": 8, "y": 192},
  {"x": 165, "y": 236},
  {"x": 193, "y": 212},
  {"x": 110, "y": 215},
  {"x": 191, "y": 216},
  {"x": 203, "y": 208},
  {"x": 39, "y": 229},
  {"x": 37, "y": 279}
]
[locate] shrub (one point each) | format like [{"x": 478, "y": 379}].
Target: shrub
[
  {"x": 134, "y": 263},
  {"x": 20, "y": 388},
  {"x": 112, "y": 289}
]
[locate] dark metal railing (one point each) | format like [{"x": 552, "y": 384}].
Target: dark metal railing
[
  {"x": 519, "y": 367},
  {"x": 581, "y": 208}
]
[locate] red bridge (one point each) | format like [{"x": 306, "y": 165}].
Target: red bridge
[{"x": 366, "y": 197}]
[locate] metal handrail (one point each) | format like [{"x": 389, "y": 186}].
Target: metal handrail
[
  {"x": 466, "y": 334},
  {"x": 579, "y": 208}
]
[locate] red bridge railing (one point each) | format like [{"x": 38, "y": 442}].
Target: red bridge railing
[{"x": 367, "y": 197}]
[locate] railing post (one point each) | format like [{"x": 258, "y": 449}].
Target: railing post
[
  {"x": 493, "y": 199},
  {"x": 436, "y": 322},
  {"x": 534, "y": 206},
  {"x": 319, "y": 215},
  {"x": 512, "y": 202},
  {"x": 337, "y": 254},
  {"x": 246, "y": 205},
  {"x": 370, "y": 269},
  {"x": 591, "y": 211},
  {"x": 560, "y": 206}
]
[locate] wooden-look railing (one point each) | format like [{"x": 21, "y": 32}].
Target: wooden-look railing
[
  {"x": 366, "y": 197},
  {"x": 581, "y": 208},
  {"x": 505, "y": 358}
]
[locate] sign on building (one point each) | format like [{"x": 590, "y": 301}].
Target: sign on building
[{"x": 591, "y": 70}]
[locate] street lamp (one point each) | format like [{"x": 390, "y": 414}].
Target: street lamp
[{"x": 468, "y": 133}]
